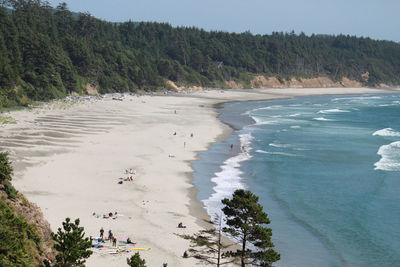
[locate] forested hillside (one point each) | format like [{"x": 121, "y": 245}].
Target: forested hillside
[{"x": 50, "y": 52}]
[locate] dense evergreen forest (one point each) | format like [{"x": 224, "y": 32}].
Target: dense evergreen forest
[{"x": 48, "y": 52}]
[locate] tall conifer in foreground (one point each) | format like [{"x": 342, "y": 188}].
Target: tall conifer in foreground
[
  {"x": 71, "y": 245},
  {"x": 245, "y": 219}
]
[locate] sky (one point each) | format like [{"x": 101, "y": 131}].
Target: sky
[{"x": 377, "y": 19}]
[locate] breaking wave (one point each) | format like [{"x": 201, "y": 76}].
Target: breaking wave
[
  {"x": 335, "y": 110},
  {"x": 321, "y": 119},
  {"x": 390, "y": 157},
  {"x": 386, "y": 132},
  {"x": 229, "y": 178}
]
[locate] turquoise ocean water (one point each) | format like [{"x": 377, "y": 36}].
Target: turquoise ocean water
[{"x": 326, "y": 169}]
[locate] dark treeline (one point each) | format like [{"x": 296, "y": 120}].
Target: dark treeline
[{"x": 50, "y": 52}]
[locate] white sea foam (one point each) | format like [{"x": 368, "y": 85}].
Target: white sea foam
[
  {"x": 229, "y": 178},
  {"x": 256, "y": 119},
  {"x": 386, "y": 132},
  {"x": 386, "y": 105},
  {"x": 335, "y": 110},
  {"x": 276, "y": 153},
  {"x": 279, "y": 145},
  {"x": 264, "y": 120},
  {"x": 251, "y": 112},
  {"x": 356, "y": 98},
  {"x": 295, "y": 127},
  {"x": 294, "y": 115},
  {"x": 267, "y": 108},
  {"x": 321, "y": 119},
  {"x": 390, "y": 157},
  {"x": 394, "y": 103}
]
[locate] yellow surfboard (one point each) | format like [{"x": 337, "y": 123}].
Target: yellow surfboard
[{"x": 140, "y": 248}]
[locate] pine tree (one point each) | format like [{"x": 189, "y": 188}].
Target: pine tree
[
  {"x": 245, "y": 220},
  {"x": 71, "y": 245},
  {"x": 136, "y": 261}
]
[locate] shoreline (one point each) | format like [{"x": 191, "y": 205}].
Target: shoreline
[{"x": 151, "y": 119}]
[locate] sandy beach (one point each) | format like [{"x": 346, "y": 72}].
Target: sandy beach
[{"x": 69, "y": 158}]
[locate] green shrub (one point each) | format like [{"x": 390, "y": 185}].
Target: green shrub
[
  {"x": 136, "y": 261},
  {"x": 10, "y": 190},
  {"x": 19, "y": 241},
  {"x": 5, "y": 168}
]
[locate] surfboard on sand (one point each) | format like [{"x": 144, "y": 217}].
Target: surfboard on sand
[
  {"x": 125, "y": 243},
  {"x": 140, "y": 248}
]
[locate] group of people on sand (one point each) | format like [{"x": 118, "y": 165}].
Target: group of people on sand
[
  {"x": 101, "y": 239},
  {"x": 106, "y": 216},
  {"x": 128, "y": 178},
  {"x": 111, "y": 237}
]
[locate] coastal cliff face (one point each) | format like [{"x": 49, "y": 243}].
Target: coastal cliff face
[
  {"x": 319, "y": 82},
  {"x": 25, "y": 233},
  {"x": 260, "y": 81}
]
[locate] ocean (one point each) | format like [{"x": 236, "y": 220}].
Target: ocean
[{"x": 326, "y": 170}]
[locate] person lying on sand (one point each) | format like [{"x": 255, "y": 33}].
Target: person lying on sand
[
  {"x": 180, "y": 225},
  {"x": 128, "y": 179}
]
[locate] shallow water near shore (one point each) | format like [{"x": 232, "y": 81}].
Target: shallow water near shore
[{"x": 326, "y": 169}]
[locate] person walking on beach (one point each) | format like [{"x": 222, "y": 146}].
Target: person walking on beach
[
  {"x": 101, "y": 232},
  {"x": 114, "y": 241},
  {"x": 110, "y": 236}
]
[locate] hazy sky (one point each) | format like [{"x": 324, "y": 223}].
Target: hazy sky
[{"x": 378, "y": 19}]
